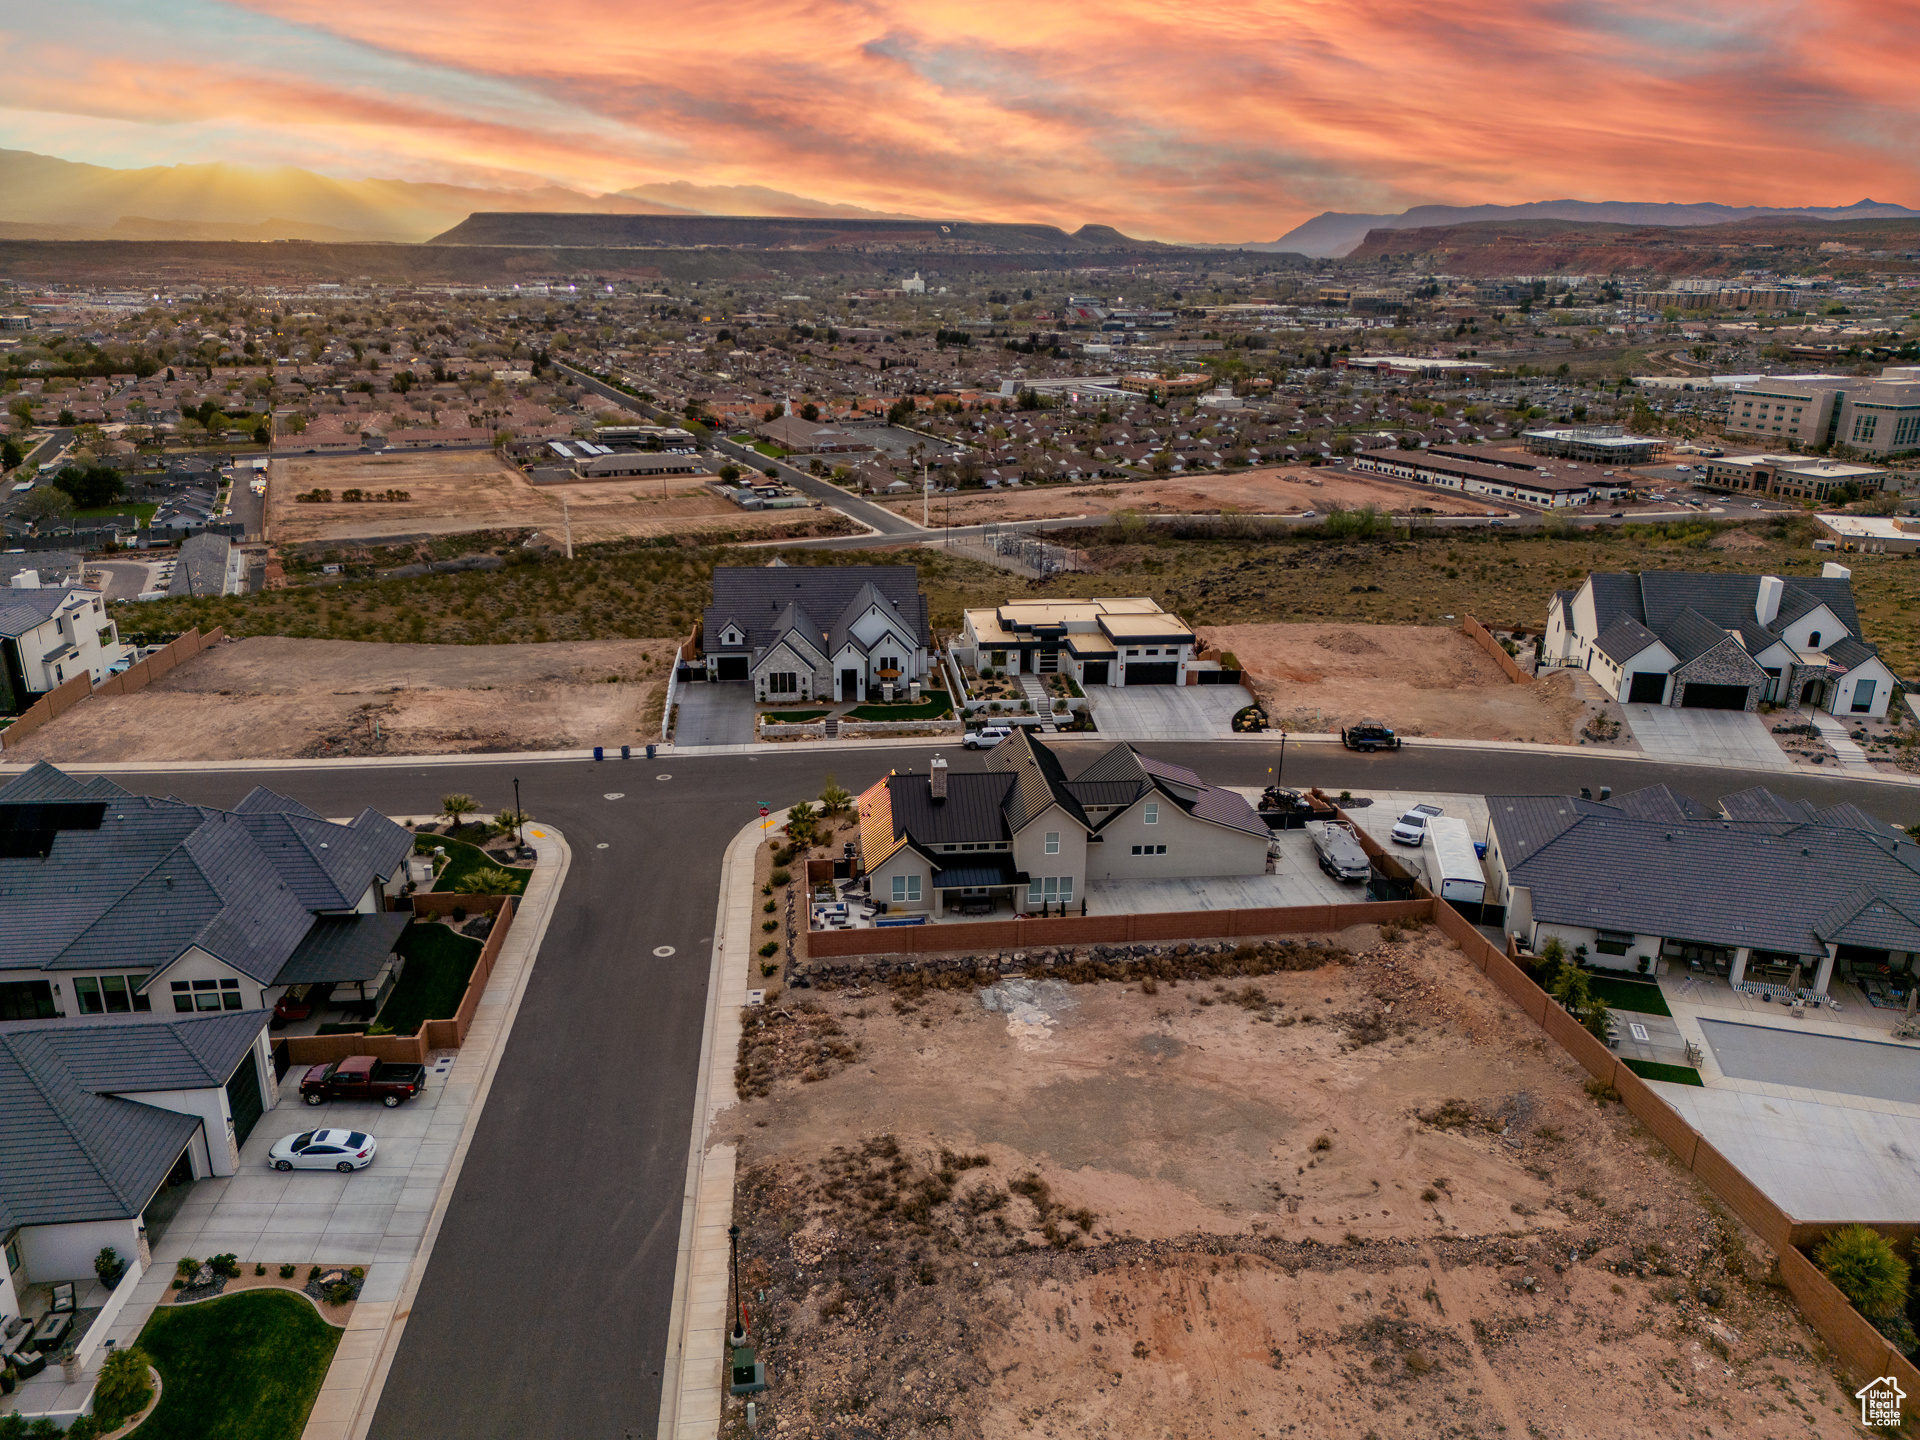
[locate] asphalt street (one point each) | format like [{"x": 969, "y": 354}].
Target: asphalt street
[{"x": 545, "y": 1305}]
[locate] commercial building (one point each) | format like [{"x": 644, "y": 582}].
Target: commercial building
[
  {"x": 1411, "y": 366},
  {"x": 817, "y": 633},
  {"x": 1872, "y": 416},
  {"x": 1119, "y": 641},
  {"x": 1599, "y": 444},
  {"x": 1787, "y": 477},
  {"x": 1497, "y": 476},
  {"x": 1164, "y": 387},
  {"x": 1720, "y": 642},
  {"x": 1872, "y": 534},
  {"x": 1761, "y": 889},
  {"x": 1027, "y": 833}
]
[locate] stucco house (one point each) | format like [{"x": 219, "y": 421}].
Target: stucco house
[
  {"x": 1120, "y": 641},
  {"x": 1720, "y": 642},
  {"x": 1756, "y": 889},
  {"x": 1028, "y": 833},
  {"x": 817, "y": 632},
  {"x": 123, "y": 904},
  {"x": 49, "y": 634}
]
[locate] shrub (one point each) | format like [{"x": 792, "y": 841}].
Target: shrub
[
  {"x": 107, "y": 1263},
  {"x": 771, "y": 947},
  {"x": 339, "y": 1293},
  {"x": 1861, "y": 1263},
  {"x": 286, "y": 1272},
  {"x": 123, "y": 1390},
  {"x": 187, "y": 1268},
  {"x": 227, "y": 1264},
  {"x": 259, "y": 1269},
  {"x": 358, "y": 1272},
  {"x": 487, "y": 880},
  {"x": 769, "y": 926},
  {"x": 780, "y": 877},
  {"x": 769, "y": 968}
]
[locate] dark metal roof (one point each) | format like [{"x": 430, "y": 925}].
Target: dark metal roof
[
  {"x": 971, "y": 812},
  {"x": 344, "y": 948},
  {"x": 979, "y": 872}
]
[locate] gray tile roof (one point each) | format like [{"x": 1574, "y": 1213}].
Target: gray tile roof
[
  {"x": 24, "y": 610},
  {"x": 69, "y": 1149},
  {"x": 1039, "y": 781},
  {"x": 129, "y": 1054},
  {"x": 1625, "y": 638},
  {"x": 341, "y": 948},
  {"x": 160, "y": 876},
  {"x": 1659, "y": 599},
  {"x": 1763, "y": 884}
]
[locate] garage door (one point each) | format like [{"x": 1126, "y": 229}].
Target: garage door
[
  {"x": 243, "y": 1099},
  {"x": 1715, "y": 697},
  {"x": 1153, "y": 674},
  {"x": 733, "y": 667},
  {"x": 1648, "y": 689}
]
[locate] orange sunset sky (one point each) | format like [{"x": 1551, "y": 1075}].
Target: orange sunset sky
[{"x": 1191, "y": 122}]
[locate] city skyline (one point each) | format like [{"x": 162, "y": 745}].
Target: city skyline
[{"x": 1179, "y": 126}]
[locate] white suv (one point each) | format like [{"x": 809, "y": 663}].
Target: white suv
[
  {"x": 986, "y": 737},
  {"x": 1411, "y": 828}
]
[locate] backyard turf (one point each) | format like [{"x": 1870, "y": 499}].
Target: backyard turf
[
  {"x": 438, "y": 965},
  {"x": 242, "y": 1367}
]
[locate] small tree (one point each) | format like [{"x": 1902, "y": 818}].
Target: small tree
[
  {"x": 44, "y": 503},
  {"x": 508, "y": 821},
  {"x": 457, "y": 806},
  {"x": 1598, "y": 1016},
  {"x": 1860, "y": 1261},
  {"x": 833, "y": 799},
  {"x": 802, "y": 822},
  {"x": 123, "y": 1390}
]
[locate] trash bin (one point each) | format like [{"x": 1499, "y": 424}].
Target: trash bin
[
  {"x": 626, "y": 753},
  {"x": 649, "y": 752},
  {"x": 598, "y": 753}
]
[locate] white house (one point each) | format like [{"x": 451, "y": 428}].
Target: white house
[
  {"x": 1720, "y": 642},
  {"x": 1121, "y": 641},
  {"x": 817, "y": 632},
  {"x": 51, "y": 633}
]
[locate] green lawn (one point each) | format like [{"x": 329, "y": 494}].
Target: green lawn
[
  {"x": 438, "y": 965},
  {"x": 769, "y": 449},
  {"x": 242, "y": 1367},
  {"x": 143, "y": 513},
  {"x": 463, "y": 859},
  {"x": 1639, "y": 995},
  {"x": 932, "y": 707},
  {"x": 794, "y": 717},
  {"x": 1674, "y": 1074}
]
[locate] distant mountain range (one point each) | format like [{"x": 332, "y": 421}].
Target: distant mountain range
[
  {"x": 45, "y": 198},
  {"x": 906, "y": 237},
  {"x": 1336, "y": 233}
]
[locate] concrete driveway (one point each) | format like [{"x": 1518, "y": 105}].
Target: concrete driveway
[
  {"x": 1711, "y": 737},
  {"x": 1167, "y": 712},
  {"x": 714, "y": 713}
]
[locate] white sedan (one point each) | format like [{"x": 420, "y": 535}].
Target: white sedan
[{"x": 342, "y": 1150}]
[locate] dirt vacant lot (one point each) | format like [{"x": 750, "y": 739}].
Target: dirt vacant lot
[
  {"x": 1361, "y": 1198},
  {"x": 1284, "y": 490},
  {"x": 1420, "y": 679},
  {"x": 456, "y": 491},
  {"x": 271, "y": 698}
]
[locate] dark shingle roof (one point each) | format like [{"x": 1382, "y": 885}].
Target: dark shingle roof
[
  {"x": 1625, "y": 638},
  {"x": 343, "y": 948},
  {"x": 753, "y": 597}
]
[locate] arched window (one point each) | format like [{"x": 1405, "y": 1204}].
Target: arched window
[{"x": 1814, "y": 639}]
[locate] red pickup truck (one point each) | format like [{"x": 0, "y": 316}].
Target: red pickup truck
[{"x": 361, "y": 1077}]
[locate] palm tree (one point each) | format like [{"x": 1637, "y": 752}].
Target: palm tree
[{"x": 456, "y": 805}]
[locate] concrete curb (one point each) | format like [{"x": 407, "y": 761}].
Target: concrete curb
[
  {"x": 691, "y": 1395},
  {"x": 365, "y": 1356}
]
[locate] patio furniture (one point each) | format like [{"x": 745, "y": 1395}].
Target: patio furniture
[
  {"x": 29, "y": 1363},
  {"x": 62, "y": 1296},
  {"x": 48, "y": 1334}
]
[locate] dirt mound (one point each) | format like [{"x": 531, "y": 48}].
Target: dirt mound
[
  {"x": 1739, "y": 540},
  {"x": 1349, "y": 642}
]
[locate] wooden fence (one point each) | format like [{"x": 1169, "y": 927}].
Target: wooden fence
[
  {"x": 57, "y": 702},
  {"x": 1483, "y": 637},
  {"x": 432, "y": 1035},
  {"x": 1861, "y": 1349}
]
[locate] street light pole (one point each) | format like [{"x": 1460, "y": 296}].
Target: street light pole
[{"x": 519, "y": 819}]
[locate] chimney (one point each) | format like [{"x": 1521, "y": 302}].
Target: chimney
[
  {"x": 27, "y": 580},
  {"x": 1766, "y": 600},
  {"x": 938, "y": 780},
  {"x": 1831, "y": 571}
]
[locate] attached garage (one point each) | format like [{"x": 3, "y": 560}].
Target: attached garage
[
  {"x": 733, "y": 667},
  {"x": 1161, "y": 674},
  {"x": 1715, "y": 697},
  {"x": 1095, "y": 672},
  {"x": 1649, "y": 688},
  {"x": 243, "y": 1098}
]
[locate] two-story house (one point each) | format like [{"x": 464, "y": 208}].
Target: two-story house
[
  {"x": 49, "y": 634},
  {"x": 1720, "y": 642},
  {"x": 1026, "y": 832},
  {"x": 121, "y": 904},
  {"x": 817, "y": 632}
]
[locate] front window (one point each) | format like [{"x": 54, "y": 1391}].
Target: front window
[
  {"x": 1050, "y": 889},
  {"x": 784, "y": 683},
  {"x": 1053, "y": 842},
  {"x": 1150, "y": 815},
  {"x": 906, "y": 888}
]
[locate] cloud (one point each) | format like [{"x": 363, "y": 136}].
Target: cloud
[{"x": 1176, "y": 122}]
